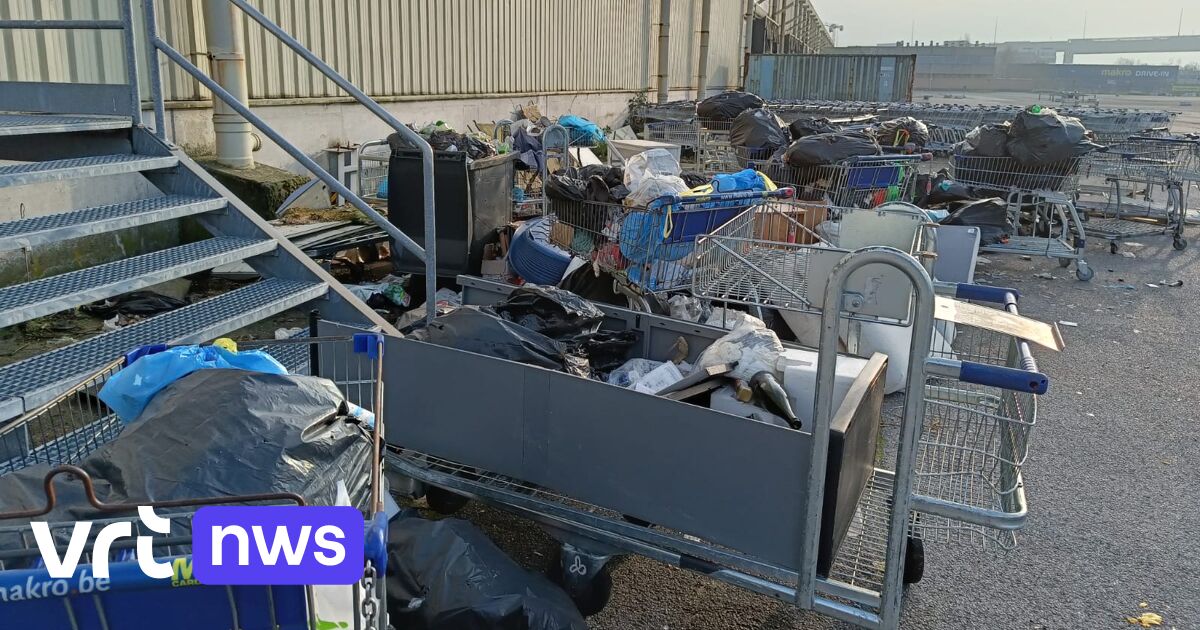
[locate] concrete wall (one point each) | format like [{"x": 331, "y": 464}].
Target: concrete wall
[{"x": 314, "y": 127}]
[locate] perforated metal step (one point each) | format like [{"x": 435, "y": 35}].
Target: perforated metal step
[
  {"x": 23, "y": 302},
  {"x": 75, "y": 168},
  {"x": 99, "y": 219},
  {"x": 34, "y": 381},
  {"x": 31, "y": 124}
]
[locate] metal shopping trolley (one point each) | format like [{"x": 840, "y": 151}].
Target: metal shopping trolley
[
  {"x": 809, "y": 516},
  {"x": 860, "y": 182},
  {"x": 974, "y": 437},
  {"x": 685, "y": 133},
  {"x": 1121, "y": 188},
  {"x": 648, "y": 249},
  {"x": 64, "y": 431},
  {"x": 1040, "y": 199}
]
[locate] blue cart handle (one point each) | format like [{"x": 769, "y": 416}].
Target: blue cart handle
[
  {"x": 872, "y": 160},
  {"x": 982, "y": 293},
  {"x": 745, "y": 195},
  {"x": 990, "y": 375}
]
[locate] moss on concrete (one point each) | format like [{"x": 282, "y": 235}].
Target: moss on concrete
[{"x": 263, "y": 188}]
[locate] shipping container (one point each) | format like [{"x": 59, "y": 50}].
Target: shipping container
[{"x": 886, "y": 78}]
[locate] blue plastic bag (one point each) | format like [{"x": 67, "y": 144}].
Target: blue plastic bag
[
  {"x": 581, "y": 129},
  {"x": 129, "y": 391},
  {"x": 744, "y": 180}
]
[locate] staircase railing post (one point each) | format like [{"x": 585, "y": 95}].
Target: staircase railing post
[
  {"x": 131, "y": 71},
  {"x": 152, "y": 68}
]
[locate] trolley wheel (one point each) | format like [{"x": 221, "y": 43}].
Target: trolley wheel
[
  {"x": 914, "y": 560},
  {"x": 1179, "y": 244},
  {"x": 443, "y": 501},
  {"x": 1084, "y": 272},
  {"x": 1064, "y": 262},
  {"x": 1113, "y": 247},
  {"x": 590, "y": 595}
]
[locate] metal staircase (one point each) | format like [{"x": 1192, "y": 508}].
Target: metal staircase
[{"x": 87, "y": 135}]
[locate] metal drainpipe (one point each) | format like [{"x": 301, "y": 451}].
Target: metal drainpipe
[
  {"x": 702, "y": 67},
  {"x": 747, "y": 40},
  {"x": 225, "y": 34},
  {"x": 664, "y": 50}
]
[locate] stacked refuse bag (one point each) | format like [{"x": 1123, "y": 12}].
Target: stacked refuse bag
[{"x": 1042, "y": 143}]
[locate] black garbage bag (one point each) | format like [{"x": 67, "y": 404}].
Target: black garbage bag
[
  {"x": 478, "y": 330},
  {"x": 1039, "y": 136},
  {"x": 566, "y": 188},
  {"x": 990, "y": 140},
  {"x": 607, "y": 350},
  {"x": 693, "y": 179},
  {"x": 727, "y": 105},
  {"x": 448, "y": 574},
  {"x": 216, "y": 432},
  {"x": 830, "y": 148},
  {"x": 554, "y": 312},
  {"x": 612, "y": 175},
  {"x": 804, "y": 127},
  {"x": 901, "y": 131},
  {"x": 597, "y": 190},
  {"x": 759, "y": 131},
  {"x": 135, "y": 303},
  {"x": 942, "y": 189},
  {"x": 989, "y": 215}
]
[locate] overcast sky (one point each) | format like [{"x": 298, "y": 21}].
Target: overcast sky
[{"x": 869, "y": 22}]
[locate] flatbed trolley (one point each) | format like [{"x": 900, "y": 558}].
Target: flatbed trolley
[
  {"x": 1128, "y": 176},
  {"x": 1041, "y": 206},
  {"x": 65, "y": 430},
  {"x": 663, "y": 461}
]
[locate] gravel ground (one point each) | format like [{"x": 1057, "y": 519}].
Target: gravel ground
[{"x": 1114, "y": 496}]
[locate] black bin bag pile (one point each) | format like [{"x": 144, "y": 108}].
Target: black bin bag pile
[
  {"x": 759, "y": 133},
  {"x": 214, "y": 433},
  {"x": 727, "y": 105},
  {"x": 1041, "y": 143},
  {"x": 537, "y": 325}
]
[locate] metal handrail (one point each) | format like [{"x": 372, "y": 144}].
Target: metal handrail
[
  {"x": 428, "y": 252},
  {"x": 123, "y": 24}
]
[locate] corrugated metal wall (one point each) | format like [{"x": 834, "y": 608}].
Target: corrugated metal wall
[
  {"x": 886, "y": 78},
  {"x": 401, "y": 47}
]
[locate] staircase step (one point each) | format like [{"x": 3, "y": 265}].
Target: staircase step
[
  {"x": 74, "y": 168},
  {"x": 99, "y": 219},
  {"x": 23, "y": 302},
  {"x": 35, "y": 381},
  {"x": 31, "y": 124}
]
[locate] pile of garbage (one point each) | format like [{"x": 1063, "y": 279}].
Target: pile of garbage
[
  {"x": 556, "y": 329},
  {"x": 1038, "y": 136}
]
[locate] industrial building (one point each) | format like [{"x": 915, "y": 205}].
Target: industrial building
[{"x": 424, "y": 60}]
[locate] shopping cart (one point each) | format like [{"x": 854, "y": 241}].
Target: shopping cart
[
  {"x": 648, "y": 249},
  {"x": 373, "y": 158},
  {"x": 717, "y": 154},
  {"x": 844, "y": 554},
  {"x": 1120, "y": 185},
  {"x": 685, "y": 133},
  {"x": 1040, "y": 200},
  {"x": 64, "y": 431},
  {"x": 860, "y": 182}
]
